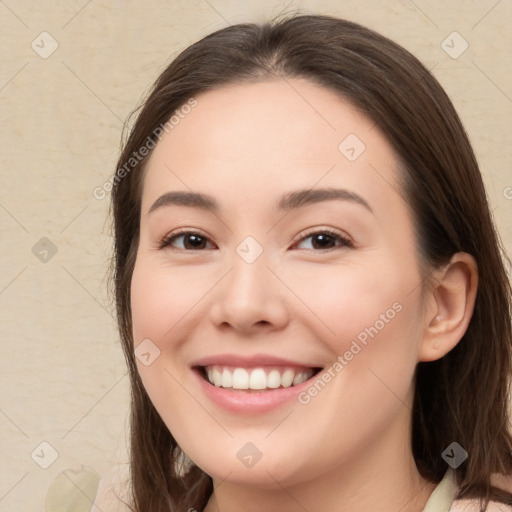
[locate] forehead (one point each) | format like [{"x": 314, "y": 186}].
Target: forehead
[
  {"x": 272, "y": 116},
  {"x": 260, "y": 139}
]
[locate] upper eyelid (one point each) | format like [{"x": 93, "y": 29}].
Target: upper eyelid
[{"x": 305, "y": 233}]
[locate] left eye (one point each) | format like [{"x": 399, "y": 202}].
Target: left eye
[{"x": 325, "y": 240}]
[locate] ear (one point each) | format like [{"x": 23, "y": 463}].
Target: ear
[{"x": 450, "y": 306}]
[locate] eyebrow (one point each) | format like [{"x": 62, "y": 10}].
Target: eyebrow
[
  {"x": 304, "y": 197},
  {"x": 289, "y": 201},
  {"x": 192, "y": 199}
]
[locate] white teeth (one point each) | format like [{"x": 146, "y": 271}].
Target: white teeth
[
  {"x": 300, "y": 378},
  {"x": 240, "y": 379},
  {"x": 257, "y": 378},
  {"x": 287, "y": 378},
  {"x": 273, "y": 379},
  {"x": 227, "y": 379},
  {"x": 217, "y": 378}
]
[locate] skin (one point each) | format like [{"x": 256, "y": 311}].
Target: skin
[{"x": 349, "y": 447}]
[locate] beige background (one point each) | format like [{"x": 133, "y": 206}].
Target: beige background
[{"x": 62, "y": 374}]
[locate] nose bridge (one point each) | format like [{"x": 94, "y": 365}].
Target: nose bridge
[
  {"x": 249, "y": 275},
  {"x": 249, "y": 281},
  {"x": 250, "y": 293}
]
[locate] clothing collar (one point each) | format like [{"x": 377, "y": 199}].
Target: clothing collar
[{"x": 443, "y": 495}]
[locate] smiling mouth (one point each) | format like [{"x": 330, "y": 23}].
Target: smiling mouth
[{"x": 260, "y": 378}]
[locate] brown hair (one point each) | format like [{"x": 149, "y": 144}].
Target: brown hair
[{"x": 463, "y": 396}]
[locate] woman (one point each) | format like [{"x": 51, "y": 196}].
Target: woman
[{"x": 311, "y": 293}]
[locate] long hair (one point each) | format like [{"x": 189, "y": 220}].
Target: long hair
[{"x": 461, "y": 397}]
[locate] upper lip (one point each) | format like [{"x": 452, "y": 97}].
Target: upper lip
[{"x": 251, "y": 361}]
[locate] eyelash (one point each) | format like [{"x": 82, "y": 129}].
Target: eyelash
[{"x": 345, "y": 242}]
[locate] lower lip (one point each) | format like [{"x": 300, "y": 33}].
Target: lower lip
[{"x": 250, "y": 401}]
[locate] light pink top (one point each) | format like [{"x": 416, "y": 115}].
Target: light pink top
[{"x": 442, "y": 498}]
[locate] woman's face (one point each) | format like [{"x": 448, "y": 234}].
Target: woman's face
[{"x": 258, "y": 284}]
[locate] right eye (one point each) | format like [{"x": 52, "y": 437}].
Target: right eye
[{"x": 190, "y": 240}]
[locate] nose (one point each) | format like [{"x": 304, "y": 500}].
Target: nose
[{"x": 250, "y": 298}]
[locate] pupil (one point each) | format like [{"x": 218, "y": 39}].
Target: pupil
[
  {"x": 324, "y": 240},
  {"x": 195, "y": 241}
]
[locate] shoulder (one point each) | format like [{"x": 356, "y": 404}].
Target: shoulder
[
  {"x": 472, "y": 504},
  {"x": 113, "y": 494}
]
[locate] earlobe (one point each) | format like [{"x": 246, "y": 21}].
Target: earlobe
[{"x": 452, "y": 304}]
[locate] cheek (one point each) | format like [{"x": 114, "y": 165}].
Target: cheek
[
  {"x": 375, "y": 320},
  {"x": 158, "y": 301},
  {"x": 165, "y": 307},
  {"x": 369, "y": 319},
  {"x": 150, "y": 304},
  {"x": 155, "y": 308},
  {"x": 164, "y": 299},
  {"x": 357, "y": 302}
]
